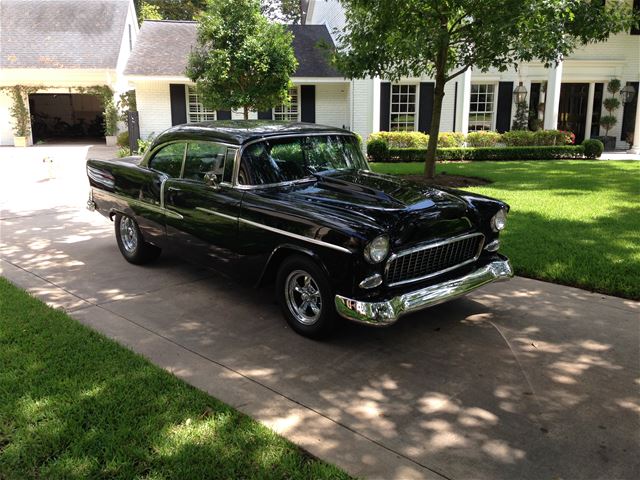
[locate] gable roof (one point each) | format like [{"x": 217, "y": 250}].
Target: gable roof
[
  {"x": 61, "y": 33},
  {"x": 163, "y": 46}
]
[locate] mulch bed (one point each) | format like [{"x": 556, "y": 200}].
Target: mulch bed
[{"x": 444, "y": 180}]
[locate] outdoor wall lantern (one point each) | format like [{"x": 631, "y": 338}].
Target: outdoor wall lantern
[
  {"x": 520, "y": 94},
  {"x": 627, "y": 93}
]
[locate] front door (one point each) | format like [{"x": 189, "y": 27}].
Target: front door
[
  {"x": 202, "y": 213},
  {"x": 572, "y": 115}
]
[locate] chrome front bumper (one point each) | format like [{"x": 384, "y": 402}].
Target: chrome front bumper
[{"x": 387, "y": 312}]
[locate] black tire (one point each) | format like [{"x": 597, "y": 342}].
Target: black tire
[
  {"x": 292, "y": 271},
  {"x": 131, "y": 242}
]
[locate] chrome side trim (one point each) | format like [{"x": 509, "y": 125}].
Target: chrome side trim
[
  {"x": 387, "y": 312},
  {"x": 429, "y": 246},
  {"x": 295, "y": 235},
  {"x": 218, "y": 214}
]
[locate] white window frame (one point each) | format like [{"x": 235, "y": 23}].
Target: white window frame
[
  {"x": 494, "y": 105},
  {"x": 291, "y": 112},
  {"x": 416, "y": 107},
  {"x": 201, "y": 113}
]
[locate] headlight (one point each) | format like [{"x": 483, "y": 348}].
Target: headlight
[
  {"x": 377, "y": 250},
  {"x": 499, "y": 221}
]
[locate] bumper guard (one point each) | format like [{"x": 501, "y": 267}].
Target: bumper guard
[{"x": 388, "y": 312}]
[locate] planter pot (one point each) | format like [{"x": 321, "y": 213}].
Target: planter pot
[
  {"x": 609, "y": 143},
  {"x": 111, "y": 140},
  {"x": 20, "y": 141}
]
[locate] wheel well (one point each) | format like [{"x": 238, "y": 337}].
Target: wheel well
[{"x": 276, "y": 259}]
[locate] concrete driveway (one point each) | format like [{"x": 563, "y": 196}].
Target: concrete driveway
[{"x": 523, "y": 379}]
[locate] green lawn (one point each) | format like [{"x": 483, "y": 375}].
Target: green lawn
[
  {"x": 571, "y": 222},
  {"x": 74, "y": 404}
]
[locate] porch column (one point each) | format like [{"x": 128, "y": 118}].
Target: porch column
[
  {"x": 552, "y": 102},
  {"x": 636, "y": 131},
  {"x": 375, "y": 111},
  {"x": 589, "y": 119},
  {"x": 464, "y": 102}
]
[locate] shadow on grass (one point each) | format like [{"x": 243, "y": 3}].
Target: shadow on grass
[
  {"x": 76, "y": 405},
  {"x": 598, "y": 253}
]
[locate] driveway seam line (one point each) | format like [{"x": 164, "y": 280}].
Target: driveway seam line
[{"x": 355, "y": 432}]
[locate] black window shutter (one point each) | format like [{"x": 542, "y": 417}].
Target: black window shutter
[
  {"x": 308, "y": 103},
  {"x": 265, "y": 115},
  {"x": 385, "y": 105},
  {"x": 629, "y": 113},
  {"x": 223, "y": 114},
  {"x": 503, "y": 115},
  {"x": 534, "y": 96},
  {"x": 178, "y": 97},
  {"x": 635, "y": 30},
  {"x": 425, "y": 109},
  {"x": 455, "y": 106}
]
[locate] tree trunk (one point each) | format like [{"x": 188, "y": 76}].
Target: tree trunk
[
  {"x": 246, "y": 113},
  {"x": 438, "y": 95}
]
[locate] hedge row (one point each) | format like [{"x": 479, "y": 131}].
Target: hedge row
[{"x": 486, "y": 153}]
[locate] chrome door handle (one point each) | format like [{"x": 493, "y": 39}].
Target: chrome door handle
[{"x": 174, "y": 189}]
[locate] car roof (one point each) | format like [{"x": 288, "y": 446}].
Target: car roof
[{"x": 242, "y": 131}]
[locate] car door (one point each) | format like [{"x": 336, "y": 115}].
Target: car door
[
  {"x": 202, "y": 207},
  {"x": 165, "y": 162}
]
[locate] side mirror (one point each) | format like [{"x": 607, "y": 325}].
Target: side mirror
[{"x": 211, "y": 179}]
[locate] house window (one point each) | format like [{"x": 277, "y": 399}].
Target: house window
[
  {"x": 196, "y": 111},
  {"x": 289, "y": 113},
  {"x": 403, "y": 108},
  {"x": 482, "y": 107}
]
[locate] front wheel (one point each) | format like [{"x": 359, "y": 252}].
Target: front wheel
[
  {"x": 131, "y": 243},
  {"x": 306, "y": 297}
]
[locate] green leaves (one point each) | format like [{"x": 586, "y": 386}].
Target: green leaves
[{"x": 242, "y": 60}]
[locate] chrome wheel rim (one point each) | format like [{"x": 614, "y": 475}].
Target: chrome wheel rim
[
  {"x": 128, "y": 234},
  {"x": 303, "y": 297}
]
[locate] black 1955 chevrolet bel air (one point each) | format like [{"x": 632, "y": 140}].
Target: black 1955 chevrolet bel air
[{"x": 296, "y": 205}]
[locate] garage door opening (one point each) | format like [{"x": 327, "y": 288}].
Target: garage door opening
[{"x": 66, "y": 116}]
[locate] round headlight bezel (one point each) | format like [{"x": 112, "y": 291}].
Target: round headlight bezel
[
  {"x": 499, "y": 220},
  {"x": 377, "y": 249}
]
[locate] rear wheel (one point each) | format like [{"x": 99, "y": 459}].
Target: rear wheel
[
  {"x": 131, "y": 243},
  {"x": 306, "y": 297}
]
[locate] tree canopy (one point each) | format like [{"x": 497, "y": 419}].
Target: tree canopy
[
  {"x": 241, "y": 59},
  {"x": 443, "y": 38}
]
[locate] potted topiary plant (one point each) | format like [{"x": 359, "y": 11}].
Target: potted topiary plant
[
  {"x": 111, "y": 124},
  {"x": 609, "y": 121},
  {"x": 20, "y": 114}
]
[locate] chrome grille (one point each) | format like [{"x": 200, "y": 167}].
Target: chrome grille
[{"x": 431, "y": 260}]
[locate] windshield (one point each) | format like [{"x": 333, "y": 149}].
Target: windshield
[{"x": 297, "y": 158}]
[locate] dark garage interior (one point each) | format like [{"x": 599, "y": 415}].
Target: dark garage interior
[{"x": 66, "y": 116}]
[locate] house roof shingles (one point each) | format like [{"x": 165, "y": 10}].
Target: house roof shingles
[
  {"x": 163, "y": 46},
  {"x": 61, "y": 33}
]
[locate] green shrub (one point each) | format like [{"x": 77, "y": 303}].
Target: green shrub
[
  {"x": 549, "y": 137},
  {"x": 518, "y": 138},
  {"x": 377, "y": 149},
  {"x": 123, "y": 139},
  {"x": 592, "y": 148},
  {"x": 402, "y": 139},
  {"x": 123, "y": 152},
  {"x": 407, "y": 154},
  {"x": 512, "y": 153},
  {"x": 483, "y": 139},
  {"x": 450, "y": 139}
]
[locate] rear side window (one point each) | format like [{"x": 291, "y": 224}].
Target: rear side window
[
  {"x": 169, "y": 159},
  {"x": 202, "y": 158}
]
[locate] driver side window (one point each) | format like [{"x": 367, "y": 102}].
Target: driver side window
[{"x": 169, "y": 159}]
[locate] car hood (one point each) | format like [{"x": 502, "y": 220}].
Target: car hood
[{"x": 409, "y": 211}]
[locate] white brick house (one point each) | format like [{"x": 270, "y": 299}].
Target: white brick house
[
  {"x": 573, "y": 100},
  {"x": 60, "y": 45}
]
